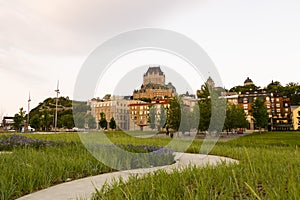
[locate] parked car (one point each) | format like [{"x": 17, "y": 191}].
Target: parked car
[
  {"x": 31, "y": 129},
  {"x": 240, "y": 131}
]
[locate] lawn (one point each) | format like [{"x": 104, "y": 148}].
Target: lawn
[
  {"x": 30, "y": 162},
  {"x": 268, "y": 169}
]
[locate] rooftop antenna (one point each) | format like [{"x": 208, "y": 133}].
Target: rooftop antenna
[
  {"x": 29, "y": 100},
  {"x": 57, "y": 93}
]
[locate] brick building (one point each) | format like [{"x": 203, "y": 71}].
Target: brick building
[{"x": 277, "y": 106}]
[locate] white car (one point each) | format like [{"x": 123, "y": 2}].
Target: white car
[{"x": 31, "y": 129}]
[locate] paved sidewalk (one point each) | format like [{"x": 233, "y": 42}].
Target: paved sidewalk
[{"x": 84, "y": 188}]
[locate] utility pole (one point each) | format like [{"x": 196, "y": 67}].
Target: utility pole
[
  {"x": 57, "y": 92},
  {"x": 29, "y": 100}
]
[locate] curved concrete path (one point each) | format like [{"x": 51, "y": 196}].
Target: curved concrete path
[{"x": 85, "y": 188}]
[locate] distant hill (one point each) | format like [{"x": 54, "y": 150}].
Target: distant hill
[{"x": 42, "y": 116}]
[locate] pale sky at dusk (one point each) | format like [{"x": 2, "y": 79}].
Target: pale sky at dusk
[{"x": 45, "y": 41}]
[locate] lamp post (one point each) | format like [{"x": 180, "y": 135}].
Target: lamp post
[
  {"x": 29, "y": 100},
  {"x": 57, "y": 92}
]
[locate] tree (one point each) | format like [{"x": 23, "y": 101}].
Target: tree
[
  {"x": 209, "y": 102},
  {"x": 46, "y": 120},
  {"x": 275, "y": 87},
  {"x": 67, "y": 121},
  {"x": 174, "y": 114},
  {"x": 162, "y": 117},
  {"x": 91, "y": 122},
  {"x": 103, "y": 121},
  {"x": 112, "y": 123},
  {"x": 152, "y": 117},
  {"x": 244, "y": 88},
  {"x": 205, "y": 114},
  {"x": 19, "y": 119},
  {"x": 185, "y": 124},
  {"x": 235, "y": 118},
  {"x": 195, "y": 117},
  {"x": 203, "y": 108},
  {"x": 79, "y": 119},
  {"x": 35, "y": 121},
  {"x": 259, "y": 113}
]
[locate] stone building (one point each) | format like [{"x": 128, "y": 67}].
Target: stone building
[
  {"x": 296, "y": 117},
  {"x": 154, "y": 85},
  {"x": 116, "y": 107}
]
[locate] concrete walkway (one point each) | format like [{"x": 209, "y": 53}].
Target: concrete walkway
[{"x": 84, "y": 188}]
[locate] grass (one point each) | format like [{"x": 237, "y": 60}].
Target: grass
[
  {"x": 268, "y": 169},
  {"x": 28, "y": 169},
  {"x": 33, "y": 167}
]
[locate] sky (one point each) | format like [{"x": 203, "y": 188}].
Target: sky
[{"x": 45, "y": 41}]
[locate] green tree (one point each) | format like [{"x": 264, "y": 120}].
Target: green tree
[
  {"x": 275, "y": 87},
  {"x": 205, "y": 114},
  {"x": 162, "y": 117},
  {"x": 67, "y": 121},
  {"x": 209, "y": 102},
  {"x": 46, "y": 120},
  {"x": 174, "y": 114},
  {"x": 152, "y": 117},
  {"x": 19, "y": 119},
  {"x": 112, "y": 123},
  {"x": 185, "y": 125},
  {"x": 235, "y": 118},
  {"x": 103, "y": 121},
  {"x": 204, "y": 107},
  {"x": 91, "y": 122},
  {"x": 35, "y": 121},
  {"x": 79, "y": 119},
  {"x": 260, "y": 114},
  {"x": 244, "y": 88},
  {"x": 195, "y": 117}
]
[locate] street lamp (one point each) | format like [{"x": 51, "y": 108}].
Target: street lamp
[
  {"x": 57, "y": 92},
  {"x": 29, "y": 100}
]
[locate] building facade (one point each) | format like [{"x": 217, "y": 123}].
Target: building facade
[
  {"x": 139, "y": 114},
  {"x": 7, "y": 122},
  {"x": 116, "y": 107},
  {"x": 277, "y": 106},
  {"x": 296, "y": 118}
]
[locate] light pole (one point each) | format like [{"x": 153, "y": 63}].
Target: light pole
[
  {"x": 29, "y": 100},
  {"x": 57, "y": 92}
]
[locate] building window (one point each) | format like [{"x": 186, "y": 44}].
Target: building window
[
  {"x": 277, "y": 99},
  {"x": 268, "y": 105},
  {"x": 277, "y": 105},
  {"x": 245, "y": 100},
  {"x": 286, "y": 110},
  {"x": 286, "y": 104},
  {"x": 278, "y": 110},
  {"x": 245, "y": 106}
]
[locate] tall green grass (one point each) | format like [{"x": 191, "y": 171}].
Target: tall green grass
[
  {"x": 268, "y": 169},
  {"x": 28, "y": 169}
]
